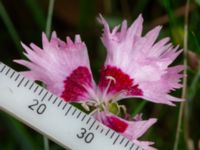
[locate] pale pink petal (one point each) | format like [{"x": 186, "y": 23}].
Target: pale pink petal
[
  {"x": 130, "y": 129},
  {"x": 63, "y": 66},
  {"x": 158, "y": 92},
  {"x": 140, "y": 61},
  {"x": 137, "y": 128}
]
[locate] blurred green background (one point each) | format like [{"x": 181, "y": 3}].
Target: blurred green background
[{"x": 24, "y": 20}]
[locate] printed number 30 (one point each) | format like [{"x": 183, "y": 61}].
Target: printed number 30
[
  {"x": 39, "y": 108},
  {"x": 87, "y": 136}
]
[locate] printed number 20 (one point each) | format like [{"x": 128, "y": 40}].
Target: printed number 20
[
  {"x": 39, "y": 108},
  {"x": 88, "y": 137}
]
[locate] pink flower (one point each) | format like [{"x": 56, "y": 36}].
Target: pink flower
[{"x": 135, "y": 66}]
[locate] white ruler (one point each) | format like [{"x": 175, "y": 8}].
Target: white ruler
[{"x": 51, "y": 116}]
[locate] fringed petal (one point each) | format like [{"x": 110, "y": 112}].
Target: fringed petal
[
  {"x": 63, "y": 66},
  {"x": 141, "y": 60}
]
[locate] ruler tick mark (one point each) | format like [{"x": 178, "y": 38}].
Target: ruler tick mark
[
  {"x": 116, "y": 139},
  {"x": 26, "y": 83},
  {"x": 63, "y": 106},
  {"x": 122, "y": 140},
  {"x": 79, "y": 115},
  {"x": 131, "y": 146},
  {"x": 92, "y": 125},
  {"x": 107, "y": 131},
  {"x": 83, "y": 117},
  {"x": 36, "y": 88},
  {"x": 112, "y": 135},
  {"x": 55, "y": 100},
  {"x": 50, "y": 97},
  {"x": 127, "y": 143},
  {"x": 44, "y": 96},
  {"x": 20, "y": 82},
  {"x": 97, "y": 127},
  {"x": 3, "y": 68},
  {"x": 102, "y": 130},
  {"x": 12, "y": 74},
  {"x": 31, "y": 86},
  {"x": 74, "y": 112},
  {"x": 41, "y": 91},
  {"x": 60, "y": 103},
  {"x": 88, "y": 120},
  {"x": 17, "y": 77},
  {"x": 137, "y": 148},
  {"x": 8, "y": 71},
  {"x": 68, "y": 110}
]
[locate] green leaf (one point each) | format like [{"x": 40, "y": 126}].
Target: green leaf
[{"x": 198, "y": 2}]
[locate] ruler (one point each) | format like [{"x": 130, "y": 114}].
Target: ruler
[{"x": 51, "y": 116}]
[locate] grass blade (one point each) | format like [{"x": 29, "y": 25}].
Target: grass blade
[
  {"x": 184, "y": 91},
  {"x": 49, "y": 17},
  {"x": 48, "y": 32}
]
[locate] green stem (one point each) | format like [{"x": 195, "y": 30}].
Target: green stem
[
  {"x": 46, "y": 143},
  {"x": 11, "y": 29},
  {"x": 184, "y": 91},
  {"x": 49, "y": 17},
  {"x": 48, "y": 32}
]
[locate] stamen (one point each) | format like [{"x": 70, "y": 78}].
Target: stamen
[
  {"x": 110, "y": 78},
  {"x": 123, "y": 108},
  {"x": 85, "y": 106},
  {"x": 94, "y": 111},
  {"x": 92, "y": 103}
]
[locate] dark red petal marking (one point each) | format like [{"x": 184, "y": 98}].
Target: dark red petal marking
[
  {"x": 116, "y": 124},
  {"x": 134, "y": 90},
  {"x": 74, "y": 84},
  {"x": 122, "y": 81}
]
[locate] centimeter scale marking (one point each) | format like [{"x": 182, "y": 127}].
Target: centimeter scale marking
[{"x": 51, "y": 116}]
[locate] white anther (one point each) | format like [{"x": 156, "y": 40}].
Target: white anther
[
  {"x": 85, "y": 106},
  {"x": 111, "y": 78}
]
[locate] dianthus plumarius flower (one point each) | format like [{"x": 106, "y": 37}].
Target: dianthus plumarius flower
[{"x": 136, "y": 66}]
